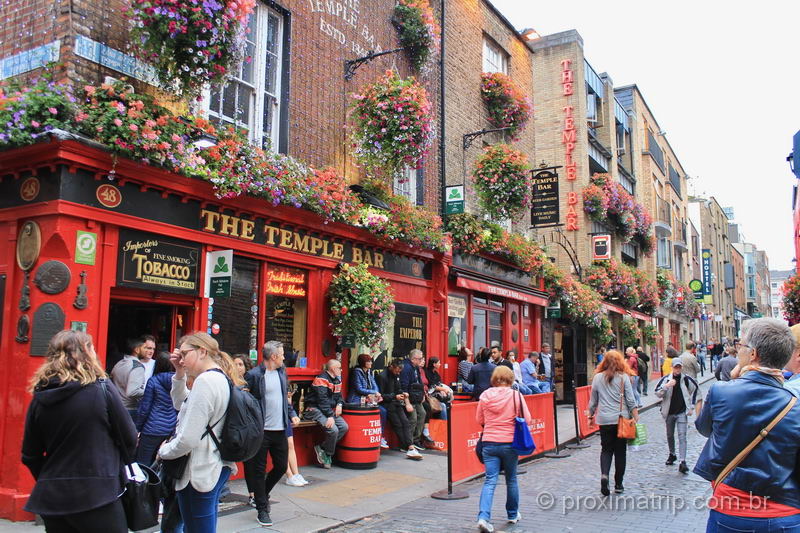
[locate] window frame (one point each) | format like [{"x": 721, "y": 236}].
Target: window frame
[{"x": 490, "y": 45}]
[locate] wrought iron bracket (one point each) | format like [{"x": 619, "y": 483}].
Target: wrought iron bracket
[
  {"x": 469, "y": 138},
  {"x": 351, "y": 65}
]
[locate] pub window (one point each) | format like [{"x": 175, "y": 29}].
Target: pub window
[
  {"x": 495, "y": 58},
  {"x": 287, "y": 309},
  {"x": 251, "y": 99},
  {"x": 237, "y": 315},
  {"x": 405, "y": 184}
]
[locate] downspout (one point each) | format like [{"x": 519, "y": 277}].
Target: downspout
[{"x": 442, "y": 162}]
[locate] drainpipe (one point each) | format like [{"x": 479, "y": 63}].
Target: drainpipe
[{"x": 442, "y": 163}]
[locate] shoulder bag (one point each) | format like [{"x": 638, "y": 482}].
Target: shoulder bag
[
  {"x": 523, "y": 440},
  {"x": 141, "y": 497},
  {"x": 761, "y": 436},
  {"x": 626, "y": 427}
]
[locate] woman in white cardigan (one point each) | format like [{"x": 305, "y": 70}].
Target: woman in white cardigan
[{"x": 199, "y": 357}]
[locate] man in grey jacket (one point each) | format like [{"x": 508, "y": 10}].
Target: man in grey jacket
[
  {"x": 678, "y": 393},
  {"x": 691, "y": 366},
  {"x": 129, "y": 376}
]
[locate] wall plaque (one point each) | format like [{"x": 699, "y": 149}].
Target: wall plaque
[
  {"x": 52, "y": 277},
  {"x": 47, "y": 321},
  {"x": 29, "y": 243},
  {"x": 157, "y": 263}
]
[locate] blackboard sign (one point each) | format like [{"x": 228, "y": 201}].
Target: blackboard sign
[
  {"x": 545, "y": 210},
  {"x": 410, "y": 326},
  {"x": 154, "y": 262}
]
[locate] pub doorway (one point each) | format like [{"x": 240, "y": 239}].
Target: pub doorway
[{"x": 130, "y": 319}]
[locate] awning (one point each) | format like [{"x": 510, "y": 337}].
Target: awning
[
  {"x": 615, "y": 309},
  {"x": 499, "y": 290},
  {"x": 641, "y": 316}
]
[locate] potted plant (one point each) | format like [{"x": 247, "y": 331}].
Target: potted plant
[
  {"x": 507, "y": 105},
  {"x": 417, "y": 30},
  {"x": 502, "y": 181},
  {"x": 361, "y": 304}
]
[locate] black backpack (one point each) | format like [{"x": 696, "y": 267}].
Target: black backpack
[{"x": 243, "y": 430}]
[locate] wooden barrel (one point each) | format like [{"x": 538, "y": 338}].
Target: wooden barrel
[
  {"x": 462, "y": 397},
  {"x": 360, "y": 448}
]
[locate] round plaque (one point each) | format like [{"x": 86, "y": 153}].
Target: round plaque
[
  {"x": 52, "y": 277},
  {"x": 29, "y": 189},
  {"x": 108, "y": 195},
  {"x": 29, "y": 243}
]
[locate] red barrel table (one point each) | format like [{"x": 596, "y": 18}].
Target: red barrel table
[
  {"x": 360, "y": 448},
  {"x": 462, "y": 397}
]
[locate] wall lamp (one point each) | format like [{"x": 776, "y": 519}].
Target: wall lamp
[{"x": 529, "y": 34}]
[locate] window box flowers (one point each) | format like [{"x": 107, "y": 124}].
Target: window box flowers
[
  {"x": 791, "y": 299},
  {"x": 418, "y": 31},
  {"x": 502, "y": 182},
  {"x": 392, "y": 125},
  {"x": 507, "y": 105},
  {"x": 191, "y": 44},
  {"x": 361, "y": 304}
]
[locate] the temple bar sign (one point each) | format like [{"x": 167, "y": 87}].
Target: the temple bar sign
[{"x": 545, "y": 210}]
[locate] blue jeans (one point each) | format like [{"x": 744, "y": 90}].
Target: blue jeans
[
  {"x": 724, "y": 523},
  {"x": 522, "y": 388},
  {"x": 545, "y": 386},
  {"x": 199, "y": 509},
  {"x": 636, "y": 395},
  {"x": 496, "y": 456}
]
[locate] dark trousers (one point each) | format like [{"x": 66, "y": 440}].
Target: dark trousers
[
  {"x": 276, "y": 444},
  {"x": 416, "y": 419},
  {"x": 399, "y": 421},
  {"x": 106, "y": 519},
  {"x": 148, "y": 447},
  {"x": 612, "y": 447}
]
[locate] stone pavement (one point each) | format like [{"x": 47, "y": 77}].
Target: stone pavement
[
  {"x": 339, "y": 496},
  {"x": 563, "y": 495}
]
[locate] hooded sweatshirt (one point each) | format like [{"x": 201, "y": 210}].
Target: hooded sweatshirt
[
  {"x": 69, "y": 447},
  {"x": 497, "y": 409}
]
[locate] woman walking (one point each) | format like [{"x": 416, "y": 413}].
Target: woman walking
[
  {"x": 205, "y": 474},
  {"x": 612, "y": 397},
  {"x": 497, "y": 409},
  {"x": 69, "y": 443},
  {"x": 156, "y": 417}
]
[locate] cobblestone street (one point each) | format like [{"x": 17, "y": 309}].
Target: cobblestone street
[{"x": 563, "y": 495}]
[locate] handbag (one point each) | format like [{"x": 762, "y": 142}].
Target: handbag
[
  {"x": 436, "y": 404},
  {"x": 523, "y": 440},
  {"x": 744, "y": 453},
  {"x": 626, "y": 427},
  {"x": 174, "y": 468},
  {"x": 142, "y": 485}
]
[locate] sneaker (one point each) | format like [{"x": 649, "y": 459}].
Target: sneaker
[
  {"x": 293, "y": 481},
  {"x": 251, "y": 501},
  {"x": 484, "y": 526},
  {"x": 618, "y": 488},
  {"x": 263, "y": 518},
  {"x": 604, "y": 486},
  {"x": 384, "y": 444},
  {"x": 414, "y": 454},
  {"x": 671, "y": 460},
  {"x": 515, "y": 519},
  {"x": 426, "y": 440},
  {"x": 301, "y": 479},
  {"x": 418, "y": 448},
  {"x": 321, "y": 455},
  {"x": 682, "y": 468},
  {"x": 328, "y": 461}
]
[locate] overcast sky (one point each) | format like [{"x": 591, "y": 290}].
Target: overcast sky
[{"x": 723, "y": 80}]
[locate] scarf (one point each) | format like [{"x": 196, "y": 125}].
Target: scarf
[{"x": 774, "y": 372}]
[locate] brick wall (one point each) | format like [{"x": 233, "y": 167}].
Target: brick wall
[{"x": 323, "y": 35}]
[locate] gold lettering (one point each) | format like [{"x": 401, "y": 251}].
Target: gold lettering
[
  {"x": 357, "y": 255},
  {"x": 326, "y": 252},
  {"x": 229, "y": 226},
  {"x": 271, "y": 233},
  {"x": 247, "y": 230},
  {"x": 210, "y": 218},
  {"x": 139, "y": 258},
  {"x": 316, "y": 245},
  {"x": 379, "y": 260},
  {"x": 286, "y": 238},
  {"x": 338, "y": 251},
  {"x": 301, "y": 243}
]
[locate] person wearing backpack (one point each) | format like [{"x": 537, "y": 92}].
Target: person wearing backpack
[
  {"x": 268, "y": 384},
  {"x": 201, "y": 414}
]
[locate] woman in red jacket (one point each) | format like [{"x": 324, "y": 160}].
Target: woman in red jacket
[{"x": 498, "y": 406}]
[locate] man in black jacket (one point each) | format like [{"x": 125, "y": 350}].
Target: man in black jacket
[
  {"x": 644, "y": 368},
  {"x": 393, "y": 399},
  {"x": 268, "y": 384},
  {"x": 480, "y": 375},
  {"x": 324, "y": 406}
]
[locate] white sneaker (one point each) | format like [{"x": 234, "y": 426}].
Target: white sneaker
[
  {"x": 515, "y": 519},
  {"x": 414, "y": 454},
  {"x": 484, "y": 526},
  {"x": 384, "y": 444},
  {"x": 293, "y": 481},
  {"x": 301, "y": 479}
]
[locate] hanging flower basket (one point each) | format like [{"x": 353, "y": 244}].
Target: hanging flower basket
[
  {"x": 649, "y": 334},
  {"x": 190, "y": 44},
  {"x": 507, "y": 105},
  {"x": 502, "y": 181},
  {"x": 791, "y": 299},
  {"x": 392, "y": 125},
  {"x": 417, "y": 29},
  {"x": 361, "y": 304},
  {"x": 630, "y": 332}
]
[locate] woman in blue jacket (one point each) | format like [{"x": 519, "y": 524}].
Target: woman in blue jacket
[
  {"x": 156, "y": 417},
  {"x": 363, "y": 385}
]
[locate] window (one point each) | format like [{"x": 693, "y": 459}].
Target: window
[
  {"x": 495, "y": 58},
  {"x": 287, "y": 309},
  {"x": 251, "y": 98},
  {"x": 663, "y": 255},
  {"x": 411, "y": 185},
  {"x": 237, "y": 315}
]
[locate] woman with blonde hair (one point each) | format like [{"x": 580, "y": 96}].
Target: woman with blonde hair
[
  {"x": 498, "y": 408},
  {"x": 201, "y": 410},
  {"x": 612, "y": 397},
  {"x": 69, "y": 444}
]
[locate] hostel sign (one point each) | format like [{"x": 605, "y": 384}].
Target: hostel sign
[{"x": 707, "y": 296}]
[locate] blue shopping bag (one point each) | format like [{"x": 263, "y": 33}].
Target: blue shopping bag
[{"x": 523, "y": 440}]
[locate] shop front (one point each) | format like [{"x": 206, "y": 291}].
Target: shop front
[
  {"x": 150, "y": 252},
  {"x": 490, "y": 304}
]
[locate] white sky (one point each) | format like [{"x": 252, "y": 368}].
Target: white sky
[{"x": 723, "y": 80}]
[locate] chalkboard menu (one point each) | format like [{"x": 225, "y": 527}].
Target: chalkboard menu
[
  {"x": 280, "y": 321},
  {"x": 410, "y": 327}
]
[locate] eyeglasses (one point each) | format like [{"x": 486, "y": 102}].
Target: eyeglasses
[
  {"x": 743, "y": 345},
  {"x": 184, "y": 353}
]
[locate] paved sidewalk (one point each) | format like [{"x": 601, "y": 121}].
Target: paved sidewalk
[{"x": 338, "y": 496}]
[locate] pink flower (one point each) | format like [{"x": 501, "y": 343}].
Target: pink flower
[
  {"x": 35, "y": 124},
  {"x": 53, "y": 110},
  {"x": 117, "y": 122},
  {"x": 134, "y": 127}
]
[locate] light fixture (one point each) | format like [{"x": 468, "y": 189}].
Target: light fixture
[
  {"x": 205, "y": 140},
  {"x": 529, "y": 34}
]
